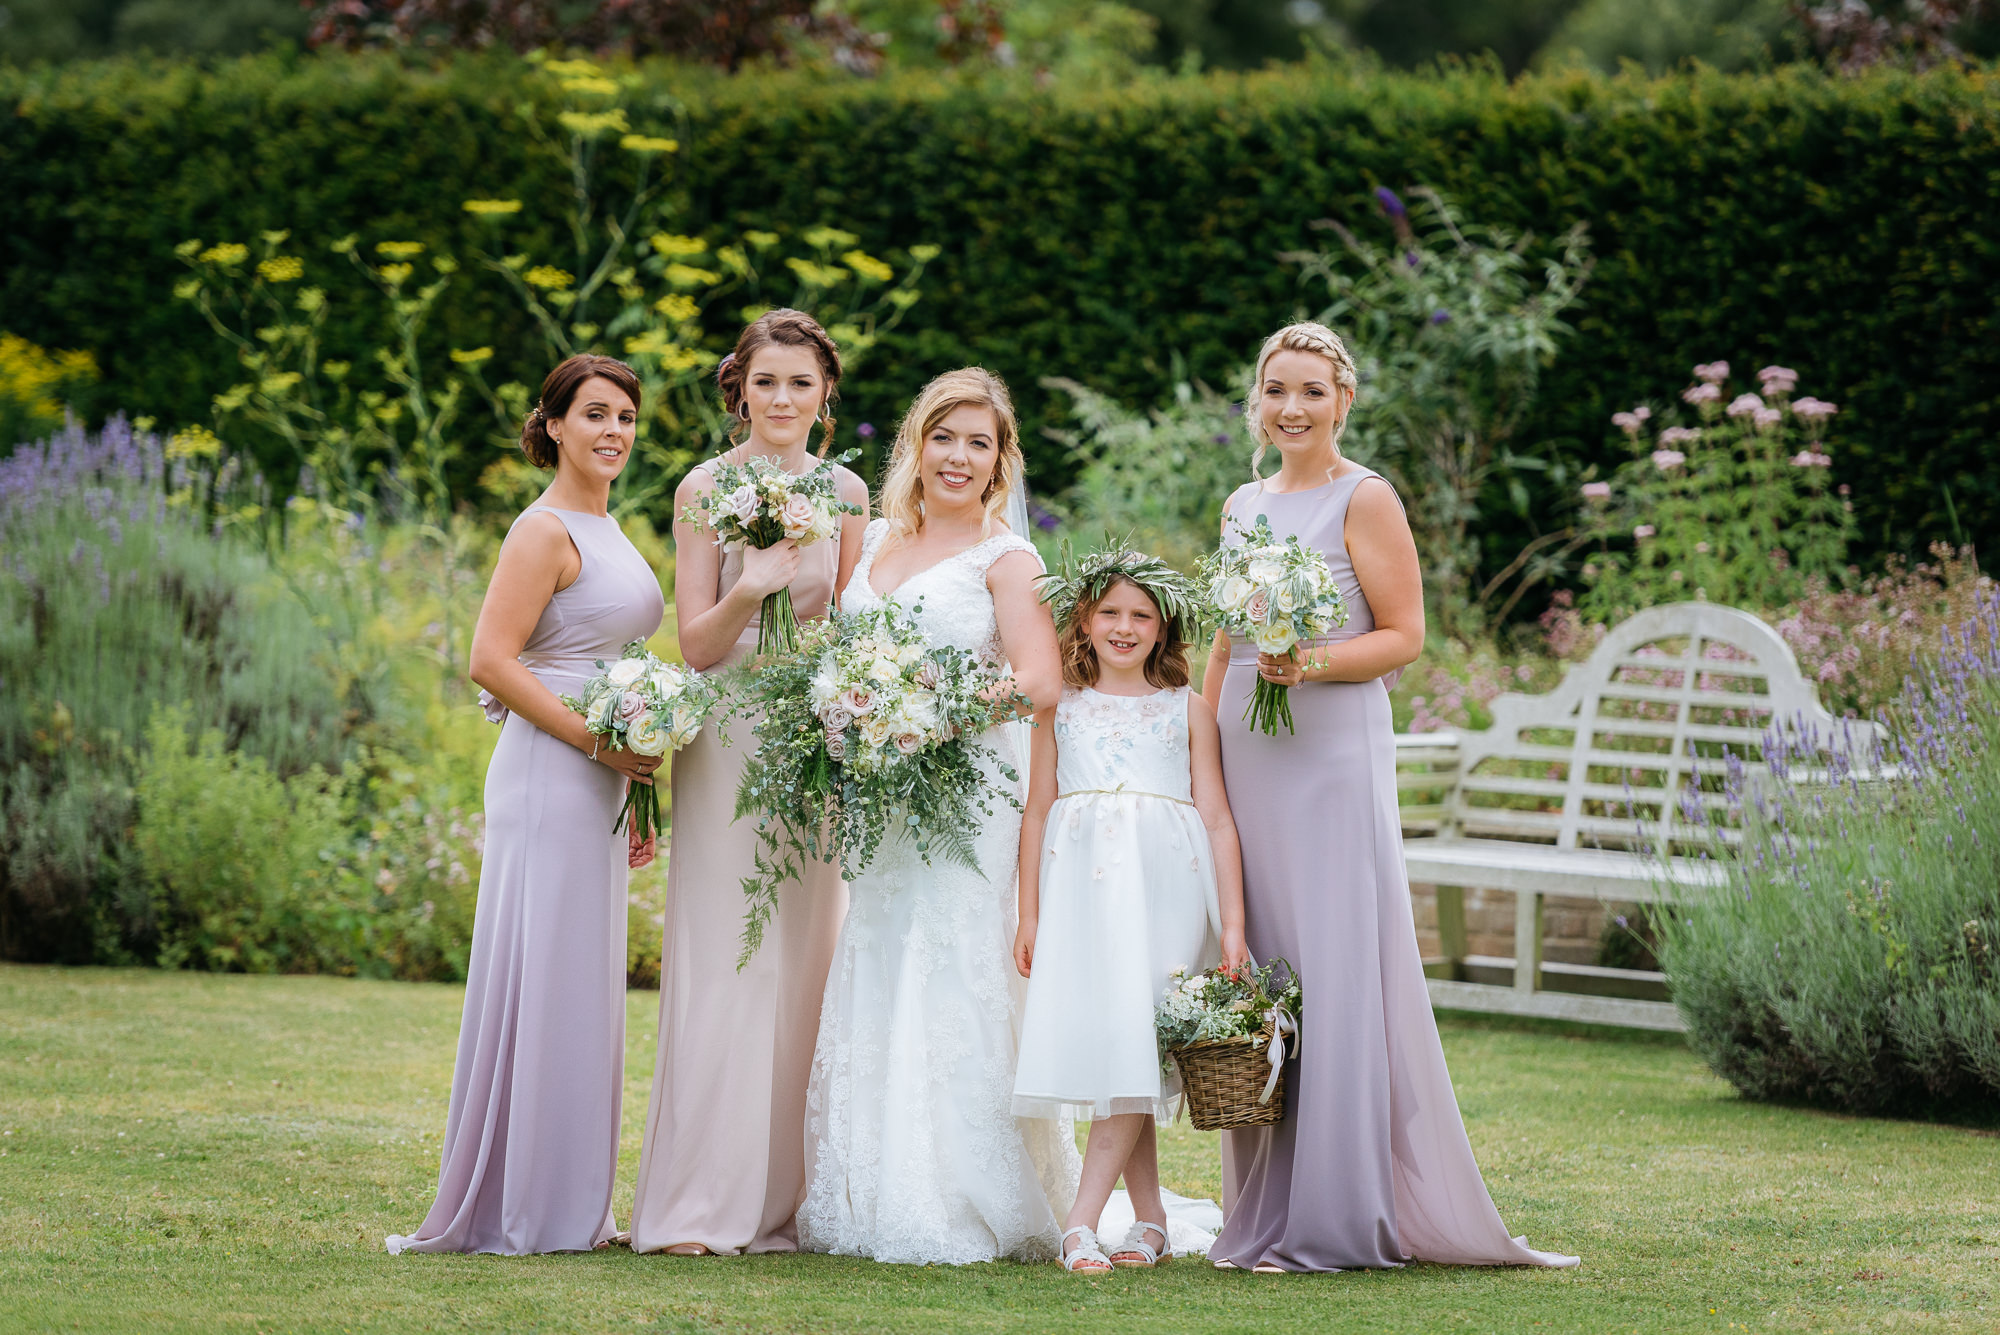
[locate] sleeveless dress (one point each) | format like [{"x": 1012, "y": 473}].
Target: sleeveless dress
[
  {"x": 723, "y": 1159},
  {"x": 1127, "y": 896},
  {"x": 914, "y": 1154},
  {"x": 1371, "y": 1165},
  {"x": 531, "y": 1139}
]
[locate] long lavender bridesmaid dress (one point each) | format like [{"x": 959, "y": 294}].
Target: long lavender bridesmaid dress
[
  {"x": 531, "y": 1140},
  {"x": 1371, "y": 1165}
]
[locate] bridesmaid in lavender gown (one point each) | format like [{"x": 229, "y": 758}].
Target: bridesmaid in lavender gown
[
  {"x": 531, "y": 1139},
  {"x": 1371, "y": 1165}
]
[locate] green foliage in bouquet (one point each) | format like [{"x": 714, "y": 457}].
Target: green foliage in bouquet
[
  {"x": 866, "y": 732},
  {"x": 1217, "y": 1004}
]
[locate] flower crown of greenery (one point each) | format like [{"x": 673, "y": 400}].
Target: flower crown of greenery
[{"x": 1076, "y": 581}]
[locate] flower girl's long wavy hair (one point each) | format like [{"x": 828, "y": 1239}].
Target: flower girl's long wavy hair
[
  {"x": 902, "y": 497},
  {"x": 1166, "y": 667},
  {"x": 1306, "y": 336}
]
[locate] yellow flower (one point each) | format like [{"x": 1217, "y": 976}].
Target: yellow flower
[
  {"x": 548, "y": 276},
  {"x": 675, "y": 247},
  {"x": 282, "y": 269},
  {"x": 734, "y": 258},
  {"x": 924, "y": 254},
  {"x": 686, "y": 275},
  {"x": 677, "y": 307},
  {"x": 761, "y": 240},
  {"x": 273, "y": 385},
  {"x": 492, "y": 206},
  {"x": 228, "y": 254},
  {"x": 868, "y": 266},
  {"x": 573, "y": 69},
  {"x": 187, "y": 287},
  {"x": 35, "y": 377},
  {"x": 470, "y": 356},
  {"x": 394, "y": 274},
  {"x": 336, "y": 370},
  {"x": 400, "y": 250},
  {"x": 752, "y": 314},
  {"x": 590, "y": 124},
  {"x": 187, "y": 249},
  {"x": 311, "y": 299},
  {"x": 444, "y": 264},
  {"x": 194, "y": 442},
  {"x": 815, "y": 275},
  {"x": 591, "y": 84},
  {"x": 829, "y": 238},
  {"x": 646, "y": 143},
  {"x": 275, "y": 238},
  {"x": 903, "y": 298}
]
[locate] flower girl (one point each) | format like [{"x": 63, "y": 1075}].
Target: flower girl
[{"x": 1126, "y": 841}]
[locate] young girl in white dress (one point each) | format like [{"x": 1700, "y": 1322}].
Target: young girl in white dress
[{"x": 1129, "y": 870}]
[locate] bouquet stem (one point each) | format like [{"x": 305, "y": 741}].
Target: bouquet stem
[
  {"x": 642, "y": 807},
  {"x": 777, "y": 624},
  {"x": 1270, "y": 705}
]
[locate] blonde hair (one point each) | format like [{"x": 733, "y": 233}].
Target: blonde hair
[
  {"x": 902, "y": 497},
  {"x": 1306, "y": 336}
]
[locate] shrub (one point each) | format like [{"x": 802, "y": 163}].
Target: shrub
[
  {"x": 1092, "y": 233},
  {"x": 1849, "y": 958}
]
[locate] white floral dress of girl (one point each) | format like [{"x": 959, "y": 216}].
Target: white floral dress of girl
[{"x": 1128, "y": 895}]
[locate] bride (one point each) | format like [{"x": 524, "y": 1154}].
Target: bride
[{"x": 913, "y": 1154}]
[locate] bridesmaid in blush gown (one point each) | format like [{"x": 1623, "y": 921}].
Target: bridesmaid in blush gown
[
  {"x": 722, "y": 1166},
  {"x": 1371, "y": 1165},
  {"x": 531, "y": 1139}
]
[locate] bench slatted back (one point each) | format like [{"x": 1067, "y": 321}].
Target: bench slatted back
[{"x": 1603, "y": 761}]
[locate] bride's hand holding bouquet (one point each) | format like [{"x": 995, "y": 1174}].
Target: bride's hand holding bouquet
[{"x": 867, "y": 728}]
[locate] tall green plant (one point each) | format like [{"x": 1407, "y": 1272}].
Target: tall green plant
[
  {"x": 1737, "y": 510},
  {"x": 1452, "y": 326}
]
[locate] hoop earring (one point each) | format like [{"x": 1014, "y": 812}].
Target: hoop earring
[{"x": 743, "y": 411}]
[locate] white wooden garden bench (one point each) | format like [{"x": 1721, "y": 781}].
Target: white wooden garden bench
[{"x": 1571, "y": 793}]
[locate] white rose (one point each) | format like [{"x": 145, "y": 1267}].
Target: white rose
[
  {"x": 1266, "y": 572},
  {"x": 625, "y": 673},
  {"x": 825, "y": 524},
  {"x": 920, "y": 707},
  {"x": 825, "y": 685},
  {"x": 885, "y": 669},
  {"x": 604, "y": 714},
  {"x": 1232, "y": 592},
  {"x": 646, "y": 736},
  {"x": 1276, "y": 638},
  {"x": 666, "y": 679},
  {"x": 875, "y": 729},
  {"x": 684, "y": 727},
  {"x": 910, "y": 654},
  {"x": 1285, "y": 597}
]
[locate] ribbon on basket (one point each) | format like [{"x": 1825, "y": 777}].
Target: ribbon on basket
[{"x": 1281, "y": 1024}]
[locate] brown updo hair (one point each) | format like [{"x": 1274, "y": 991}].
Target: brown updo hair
[
  {"x": 786, "y": 328},
  {"x": 1166, "y": 667},
  {"x": 559, "y": 392}
]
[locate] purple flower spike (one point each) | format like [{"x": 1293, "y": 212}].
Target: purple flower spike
[{"x": 1390, "y": 204}]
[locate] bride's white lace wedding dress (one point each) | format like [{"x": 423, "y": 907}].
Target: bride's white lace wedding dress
[{"x": 912, "y": 1152}]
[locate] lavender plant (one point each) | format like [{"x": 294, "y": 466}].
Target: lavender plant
[{"x": 1851, "y": 957}]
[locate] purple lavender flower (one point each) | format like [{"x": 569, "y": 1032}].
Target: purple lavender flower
[
  {"x": 1391, "y": 205},
  {"x": 1440, "y": 316}
]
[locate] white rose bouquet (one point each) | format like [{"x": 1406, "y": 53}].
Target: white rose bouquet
[
  {"x": 648, "y": 706},
  {"x": 757, "y": 503},
  {"x": 866, "y": 727},
  {"x": 1277, "y": 595}
]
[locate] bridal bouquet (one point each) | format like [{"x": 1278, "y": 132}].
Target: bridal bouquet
[
  {"x": 757, "y": 503},
  {"x": 1278, "y": 595},
  {"x": 867, "y": 727},
  {"x": 1227, "y": 1032},
  {"x": 648, "y": 706}
]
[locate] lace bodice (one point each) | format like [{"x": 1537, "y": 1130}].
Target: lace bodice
[
  {"x": 949, "y": 601},
  {"x": 1117, "y": 743}
]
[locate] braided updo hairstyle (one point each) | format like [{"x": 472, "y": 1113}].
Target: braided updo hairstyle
[
  {"x": 786, "y": 328},
  {"x": 1305, "y": 336},
  {"x": 559, "y": 392}
]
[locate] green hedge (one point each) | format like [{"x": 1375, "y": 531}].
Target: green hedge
[{"x": 1849, "y": 228}]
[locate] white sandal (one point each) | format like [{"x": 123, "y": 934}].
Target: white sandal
[
  {"x": 1144, "y": 1255},
  {"x": 1088, "y": 1252}
]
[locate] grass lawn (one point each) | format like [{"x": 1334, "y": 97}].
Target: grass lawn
[{"x": 201, "y": 1153}]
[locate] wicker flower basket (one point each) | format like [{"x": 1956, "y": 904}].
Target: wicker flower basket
[{"x": 1223, "y": 1080}]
